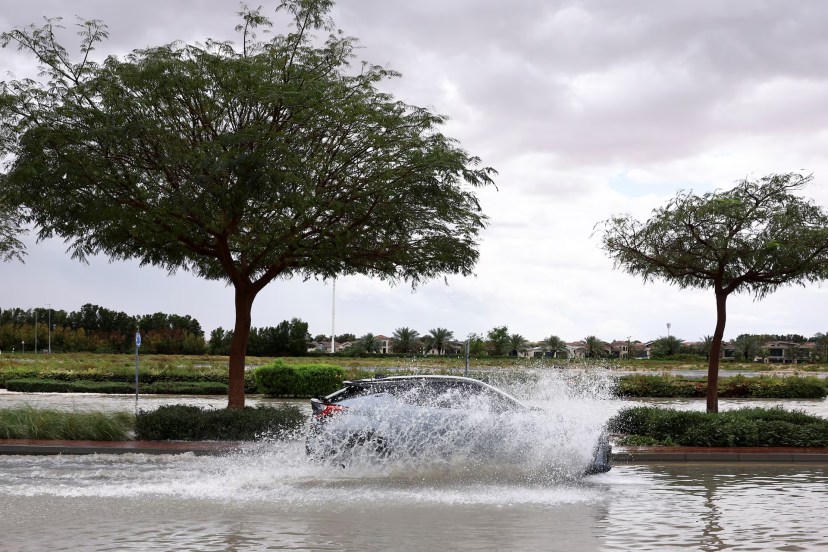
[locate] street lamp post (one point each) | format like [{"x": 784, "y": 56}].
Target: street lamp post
[{"x": 50, "y": 328}]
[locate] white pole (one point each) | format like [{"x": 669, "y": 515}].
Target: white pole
[
  {"x": 35, "y": 331},
  {"x": 50, "y": 328},
  {"x": 333, "y": 318}
]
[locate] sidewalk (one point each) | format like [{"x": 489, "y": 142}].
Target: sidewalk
[{"x": 620, "y": 455}]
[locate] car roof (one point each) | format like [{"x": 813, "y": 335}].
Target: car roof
[{"x": 379, "y": 380}]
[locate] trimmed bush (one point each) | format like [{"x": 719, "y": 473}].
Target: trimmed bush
[
  {"x": 27, "y": 422},
  {"x": 304, "y": 380},
  {"x": 758, "y": 387},
  {"x": 192, "y": 423},
  {"x": 749, "y": 427}
]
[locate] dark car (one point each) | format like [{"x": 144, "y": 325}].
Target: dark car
[{"x": 442, "y": 416}]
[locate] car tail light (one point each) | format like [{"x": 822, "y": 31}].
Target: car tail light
[{"x": 329, "y": 410}]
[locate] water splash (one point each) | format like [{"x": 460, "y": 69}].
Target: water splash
[{"x": 536, "y": 457}]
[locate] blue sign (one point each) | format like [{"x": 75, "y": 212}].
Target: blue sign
[{"x": 137, "y": 339}]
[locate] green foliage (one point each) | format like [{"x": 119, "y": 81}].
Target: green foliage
[
  {"x": 192, "y": 423},
  {"x": 750, "y": 427},
  {"x": 242, "y": 164},
  {"x": 97, "y": 329},
  {"x": 27, "y": 422},
  {"x": 757, "y": 387},
  {"x": 664, "y": 347},
  {"x": 405, "y": 340},
  {"x": 440, "y": 338},
  {"x": 754, "y": 237},
  {"x": 499, "y": 340},
  {"x": 309, "y": 380},
  {"x": 34, "y": 385}
]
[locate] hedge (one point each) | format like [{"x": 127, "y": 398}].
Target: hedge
[
  {"x": 749, "y": 427},
  {"x": 27, "y": 422},
  {"x": 790, "y": 387},
  {"x": 304, "y": 380},
  {"x": 34, "y": 385},
  {"x": 181, "y": 422}
]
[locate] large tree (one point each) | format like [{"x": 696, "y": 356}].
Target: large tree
[
  {"x": 755, "y": 237},
  {"x": 11, "y": 223},
  {"x": 241, "y": 163}
]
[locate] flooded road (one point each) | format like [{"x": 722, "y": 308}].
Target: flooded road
[{"x": 270, "y": 497}]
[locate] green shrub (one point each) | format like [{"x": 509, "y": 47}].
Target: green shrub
[
  {"x": 27, "y": 422},
  {"x": 179, "y": 422},
  {"x": 32, "y": 385},
  {"x": 750, "y": 427},
  {"x": 791, "y": 387},
  {"x": 303, "y": 380}
]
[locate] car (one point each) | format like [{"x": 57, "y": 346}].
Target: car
[{"x": 443, "y": 417}]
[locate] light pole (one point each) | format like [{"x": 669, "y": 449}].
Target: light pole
[
  {"x": 668, "y": 329},
  {"x": 50, "y": 328},
  {"x": 35, "y": 331},
  {"x": 333, "y": 318}
]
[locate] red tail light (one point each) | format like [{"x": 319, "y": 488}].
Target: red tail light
[{"x": 329, "y": 410}]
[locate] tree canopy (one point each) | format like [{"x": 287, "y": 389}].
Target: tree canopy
[
  {"x": 753, "y": 238},
  {"x": 242, "y": 163}
]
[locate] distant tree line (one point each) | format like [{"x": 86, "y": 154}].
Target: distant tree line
[
  {"x": 289, "y": 338},
  {"x": 99, "y": 330}
]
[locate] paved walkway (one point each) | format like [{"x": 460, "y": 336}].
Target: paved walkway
[{"x": 621, "y": 455}]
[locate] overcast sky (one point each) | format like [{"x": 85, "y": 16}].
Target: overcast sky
[{"x": 585, "y": 108}]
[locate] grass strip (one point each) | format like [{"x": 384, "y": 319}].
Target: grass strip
[{"x": 27, "y": 422}]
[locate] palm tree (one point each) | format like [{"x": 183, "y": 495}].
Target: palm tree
[
  {"x": 556, "y": 346},
  {"x": 405, "y": 340},
  {"x": 369, "y": 343},
  {"x": 593, "y": 347},
  {"x": 517, "y": 343},
  {"x": 440, "y": 337}
]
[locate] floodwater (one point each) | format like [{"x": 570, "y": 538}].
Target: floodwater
[{"x": 269, "y": 496}]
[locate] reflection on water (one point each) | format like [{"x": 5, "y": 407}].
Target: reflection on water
[{"x": 269, "y": 497}]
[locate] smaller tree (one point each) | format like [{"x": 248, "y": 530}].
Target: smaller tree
[
  {"x": 440, "y": 338},
  {"x": 369, "y": 343},
  {"x": 405, "y": 340},
  {"x": 746, "y": 347},
  {"x": 666, "y": 346},
  {"x": 517, "y": 344},
  {"x": 499, "y": 340},
  {"x": 594, "y": 347},
  {"x": 556, "y": 346},
  {"x": 755, "y": 237},
  {"x": 477, "y": 346}
]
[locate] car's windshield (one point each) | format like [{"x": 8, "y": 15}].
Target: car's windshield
[{"x": 457, "y": 394}]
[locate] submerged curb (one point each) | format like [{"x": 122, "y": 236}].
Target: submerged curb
[
  {"x": 620, "y": 455},
  {"x": 787, "y": 455}
]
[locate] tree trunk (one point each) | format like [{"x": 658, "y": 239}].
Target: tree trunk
[
  {"x": 715, "y": 353},
  {"x": 238, "y": 346}
]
